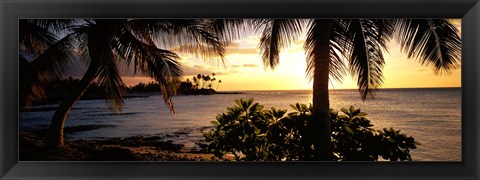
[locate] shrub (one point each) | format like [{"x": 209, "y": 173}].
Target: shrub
[{"x": 251, "y": 133}]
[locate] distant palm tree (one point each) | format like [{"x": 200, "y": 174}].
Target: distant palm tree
[
  {"x": 197, "y": 83},
  {"x": 106, "y": 44},
  {"x": 219, "y": 81},
  {"x": 199, "y": 78},
  {"x": 202, "y": 77},
  {"x": 207, "y": 79},
  {"x": 212, "y": 81},
  {"x": 337, "y": 46}
]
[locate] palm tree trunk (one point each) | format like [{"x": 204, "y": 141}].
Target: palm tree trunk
[
  {"x": 323, "y": 149},
  {"x": 55, "y": 131}
]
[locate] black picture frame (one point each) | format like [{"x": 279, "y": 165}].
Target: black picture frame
[{"x": 467, "y": 10}]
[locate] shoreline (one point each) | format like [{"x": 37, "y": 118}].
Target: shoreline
[
  {"x": 57, "y": 99},
  {"x": 134, "y": 148}
]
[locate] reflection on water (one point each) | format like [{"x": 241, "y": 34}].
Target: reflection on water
[{"x": 432, "y": 116}]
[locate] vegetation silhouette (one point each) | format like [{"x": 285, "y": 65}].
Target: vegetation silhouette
[
  {"x": 335, "y": 47},
  {"x": 43, "y": 57},
  {"x": 57, "y": 89},
  {"x": 252, "y": 133},
  {"x": 186, "y": 87},
  {"x": 105, "y": 45}
]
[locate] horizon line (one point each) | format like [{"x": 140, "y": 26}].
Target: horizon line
[{"x": 455, "y": 87}]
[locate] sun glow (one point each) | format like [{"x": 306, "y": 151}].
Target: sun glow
[{"x": 244, "y": 70}]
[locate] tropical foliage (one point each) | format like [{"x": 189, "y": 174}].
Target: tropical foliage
[
  {"x": 105, "y": 46},
  {"x": 186, "y": 87},
  {"x": 336, "y": 47},
  {"x": 56, "y": 89},
  {"x": 43, "y": 57},
  {"x": 204, "y": 81},
  {"x": 249, "y": 132}
]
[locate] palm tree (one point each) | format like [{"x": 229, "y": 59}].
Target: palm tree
[
  {"x": 335, "y": 47},
  {"x": 207, "y": 79},
  {"x": 195, "y": 80},
  {"x": 219, "y": 81},
  {"x": 212, "y": 81},
  {"x": 107, "y": 44},
  {"x": 199, "y": 77}
]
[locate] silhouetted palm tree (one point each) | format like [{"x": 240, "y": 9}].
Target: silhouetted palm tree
[
  {"x": 207, "y": 79},
  {"x": 219, "y": 81},
  {"x": 212, "y": 81},
  {"x": 335, "y": 47},
  {"x": 199, "y": 78},
  {"x": 202, "y": 77},
  {"x": 107, "y": 44},
  {"x": 197, "y": 83}
]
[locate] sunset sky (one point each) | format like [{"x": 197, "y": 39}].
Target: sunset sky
[{"x": 244, "y": 70}]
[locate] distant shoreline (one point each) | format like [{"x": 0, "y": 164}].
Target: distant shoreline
[
  {"x": 57, "y": 99},
  {"x": 147, "y": 94}
]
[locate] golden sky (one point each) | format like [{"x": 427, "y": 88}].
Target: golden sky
[{"x": 244, "y": 70}]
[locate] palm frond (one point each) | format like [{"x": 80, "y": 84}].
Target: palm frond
[
  {"x": 97, "y": 44},
  {"x": 30, "y": 88},
  {"x": 180, "y": 35},
  {"x": 368, "y": 38},
  {"x": 52, "y": 64},
  {"x": 276, "y": 34},
  {"x": 110, "y": 78},
  {"x": 81, "y": 33},
  {"x": 203, "y": 38},
  {"x": 56, "y": 60},
  {"x": 338, "y": 52},
  {"x": 317, "y": 37},
  {"x": 430, "y": 41},
  {"x": 34, "y": 39},
  {"x": 229, "y": 29},
  {"x": 56, "y": 25},
  {"x": 161, "y": 65}
]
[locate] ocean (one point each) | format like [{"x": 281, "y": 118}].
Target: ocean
[{"x": 432, "y": 116}]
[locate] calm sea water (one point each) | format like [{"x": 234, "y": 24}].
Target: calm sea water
[{"x": 432, "y": 116}]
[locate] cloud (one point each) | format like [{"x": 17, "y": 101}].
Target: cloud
[
  {"x": 424, "y": 70},
  {"x": 195, "y": 69},
  {"x": 231, "y": 71},
  {"x": 232, "y": 48},
  {"x": 233, "y": 45},
  {"x": 242, "y": 51},
  {"x": 250, "y": 65},
  {"x": 235, "y": 48}
]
